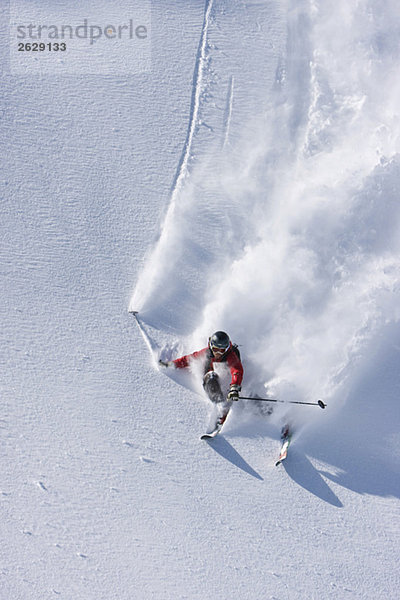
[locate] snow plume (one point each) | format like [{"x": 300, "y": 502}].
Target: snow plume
[
  {"x": 293, "y": 246},
  {"x": 322, "y": 280}
]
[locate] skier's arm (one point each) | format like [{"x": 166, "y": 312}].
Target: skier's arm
[
  {"x": 236, "y": 368},
  {"x": 184, "y": 361}
]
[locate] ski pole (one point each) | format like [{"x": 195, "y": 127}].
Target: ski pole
[{"x": 319, "y": 403}]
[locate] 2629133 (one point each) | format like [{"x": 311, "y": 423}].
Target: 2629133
[{"x": 41, "y": 46}]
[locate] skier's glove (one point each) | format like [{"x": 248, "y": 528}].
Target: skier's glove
[
  {"x": 233, "y": 393},
  {"x": 166, "y": 363}
]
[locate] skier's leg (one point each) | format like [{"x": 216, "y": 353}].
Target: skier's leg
[
  {"x": 223, "y": 410},
  {"x": 213, "y": 390},
  {"x": 212, "y": 387}
]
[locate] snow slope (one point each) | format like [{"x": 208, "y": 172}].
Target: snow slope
[{"x": 247, "y": 182}]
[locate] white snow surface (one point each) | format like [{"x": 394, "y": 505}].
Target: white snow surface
[{"x": 249, "y": 182}]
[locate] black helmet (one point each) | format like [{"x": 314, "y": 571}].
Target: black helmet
[{"x": 219, "y": 341}]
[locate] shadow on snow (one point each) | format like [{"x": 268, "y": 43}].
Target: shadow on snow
[{"x": 227, "y": 451}]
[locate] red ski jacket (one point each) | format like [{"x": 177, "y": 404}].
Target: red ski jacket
[{"x": 230, "y": 357}]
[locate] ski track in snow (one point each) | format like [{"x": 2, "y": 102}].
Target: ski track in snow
[
  {"x": 228, "y": 111},
  {"x": 183, "y": 165}
]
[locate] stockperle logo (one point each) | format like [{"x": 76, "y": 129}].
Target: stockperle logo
[{"x": 68, "y": 40}]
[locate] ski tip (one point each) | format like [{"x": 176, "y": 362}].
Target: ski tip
[{"x": 209, "y": 436}]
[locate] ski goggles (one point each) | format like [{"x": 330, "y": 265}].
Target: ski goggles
[{"x": 216, "y": 350}]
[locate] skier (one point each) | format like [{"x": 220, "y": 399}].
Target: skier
[{"x": 219, "y": 350}]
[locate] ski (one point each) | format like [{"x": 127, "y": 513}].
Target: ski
[
  {"x": 211, "y": 433},
  {"x": 286, "y": 438}
]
